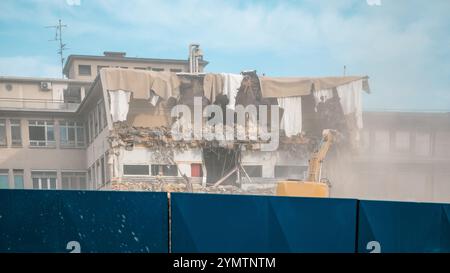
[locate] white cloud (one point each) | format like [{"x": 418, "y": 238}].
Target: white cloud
[
  {"x": 402, "y": 50},
  {"x": 374, "y": 2},
  {"x": 73, "y": 2}
]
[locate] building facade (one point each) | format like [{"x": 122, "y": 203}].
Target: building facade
[
  {"x": 405, "y": 156},
  {"x": 86, "y": 67},
  {"x": 53, "y": 132}
]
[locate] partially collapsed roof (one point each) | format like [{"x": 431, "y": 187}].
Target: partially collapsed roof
[{"x": 281, "y": 87}]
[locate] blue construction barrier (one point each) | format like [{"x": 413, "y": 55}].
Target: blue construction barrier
[
  {"x": 83, "y": 221},
  {"x": 100, "y": 221},
  {"x": 403, "y": 227},
  {"x": 243, "y": 223}
]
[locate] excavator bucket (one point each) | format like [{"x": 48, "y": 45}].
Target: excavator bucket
[{"x": 302, "y": 189}]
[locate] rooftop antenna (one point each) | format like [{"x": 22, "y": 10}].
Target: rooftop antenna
[
  {"x": 345, "y": 70},
  {"x": 62, "y": 46}
]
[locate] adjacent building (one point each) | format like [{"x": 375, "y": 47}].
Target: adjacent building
[
  {"x": 52, "y": 130},
  {"x": 405, "y": 156},
  {"x": 86, "y": 67}
]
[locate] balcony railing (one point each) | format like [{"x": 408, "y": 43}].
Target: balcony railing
[{"x": 37, "y": 104}]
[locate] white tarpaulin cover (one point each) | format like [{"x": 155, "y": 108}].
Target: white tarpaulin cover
[
  {"x": 291, "y": 121},
  {"x": 140, "y": 82},
  {"x": 282, "y": 87},
  {"x": 350, "y": 98},
  {"x": 231, "y": 84},
  {"x": 119, "y": 104}
]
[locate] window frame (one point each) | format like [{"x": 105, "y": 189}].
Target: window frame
[
  {"x": 17, "y": 173},
  {"x": 16, "y": 123},
  {"x": 44, "y": 176},
  {"x": 71, "y": 174},
  {"x": 5, "y": 135},
  {"x": 397, "y": 135},
  {"x": 5, "y": 173},
  {"x": 253, "y": 166},
  {"x": 47, "y": 124},
  {"x": 80, "y": 73},
  {"x": 77, "y": 143},
  {"x": 146, "y": 165},
  {"x": 161, "y": 170}
]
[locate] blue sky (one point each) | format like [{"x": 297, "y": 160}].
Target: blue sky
[{"x": 402, "y": 45}]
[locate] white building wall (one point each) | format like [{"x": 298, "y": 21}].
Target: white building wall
[
  {"x": 146, "y": 156},
  {"x": 269, "y": 160}
]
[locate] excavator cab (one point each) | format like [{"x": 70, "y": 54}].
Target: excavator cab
[
  {"x": 313, "y": 186},
  {"x": 300, "y": 188}
]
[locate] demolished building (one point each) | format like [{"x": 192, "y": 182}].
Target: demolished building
[{"x": 141, "y": 152}]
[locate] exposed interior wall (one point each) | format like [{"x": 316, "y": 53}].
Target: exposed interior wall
[
  {"x": 145, "y": 156},
  {"x": 218, "y": 163},
  {"x": 143, "y": 114}
]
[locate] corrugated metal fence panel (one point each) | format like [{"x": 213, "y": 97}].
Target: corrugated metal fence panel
[
  {"x": 237, "y": 223},
  {"x": 65, "y": 221},
  {"x": 403, "y": 227}
]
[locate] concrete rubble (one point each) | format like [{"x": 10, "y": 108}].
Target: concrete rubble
[{"x": 181, "y": 187}]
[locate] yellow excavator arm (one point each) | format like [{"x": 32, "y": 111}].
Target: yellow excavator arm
[
  {"x": 312, "y": 187},
  {"x": 315, "y": 163}
]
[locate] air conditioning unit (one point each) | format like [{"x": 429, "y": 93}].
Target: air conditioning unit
[{"x": 46, "y": 86}]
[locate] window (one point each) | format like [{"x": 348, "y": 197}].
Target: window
[
  {"x": 107, "y": 170},
  {"x": 196, "y": 170},
  {"x": 101, "y": 112},
  {"x": 105, "y": 121},
  {"x": 41, "y": 133},
  {"x": 73, "y": 181},
  {"x": 43, "y": 180},
  {"x": 72, "y": 94},
  {"x": 88, "y": 133},
  {"x": 99, "y": 174},
  {"x": 84, "y": 70},
  {"x": 402, "y": 142},
  {"x": 18, "y": 179},
  {"x": 4, "y": 179},
  {"x": 135, "y": 170},
  {"x": 95, "y": 119},
  {"x": 102, "y": 170},
  {"x": 164, "y": 170},
  {"x": 175, "y": 70},
  {"x": 140, "y": 68},
  {"x": 2, "y": 132},
  {"x": 442, "y": 144},
  {"x": 253, "y": 170},
  {"x": 157, "y": 69},
  {"x": 382, "y": 143},
  {"x": 93, "y": 180},
  {"x": 423, "y": 144},
  {"x": 100, "y": 116},
  {"x": 71, "y": 134},
  {"x": 290, "y": 172},
  {"x": 16, "y": 133},
  {"x": 90, "y": 176},
  {"x": 91, "y": 127}
]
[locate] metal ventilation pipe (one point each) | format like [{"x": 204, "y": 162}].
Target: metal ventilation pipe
[{"x": 195, "y": 53}]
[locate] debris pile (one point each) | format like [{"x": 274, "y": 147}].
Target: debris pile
[
  {"x": 128, "y": 136},
  {"x": 162, "y": 186}
]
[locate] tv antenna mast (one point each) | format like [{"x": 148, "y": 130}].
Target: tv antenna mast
[{"x": 62, "y": 46}]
